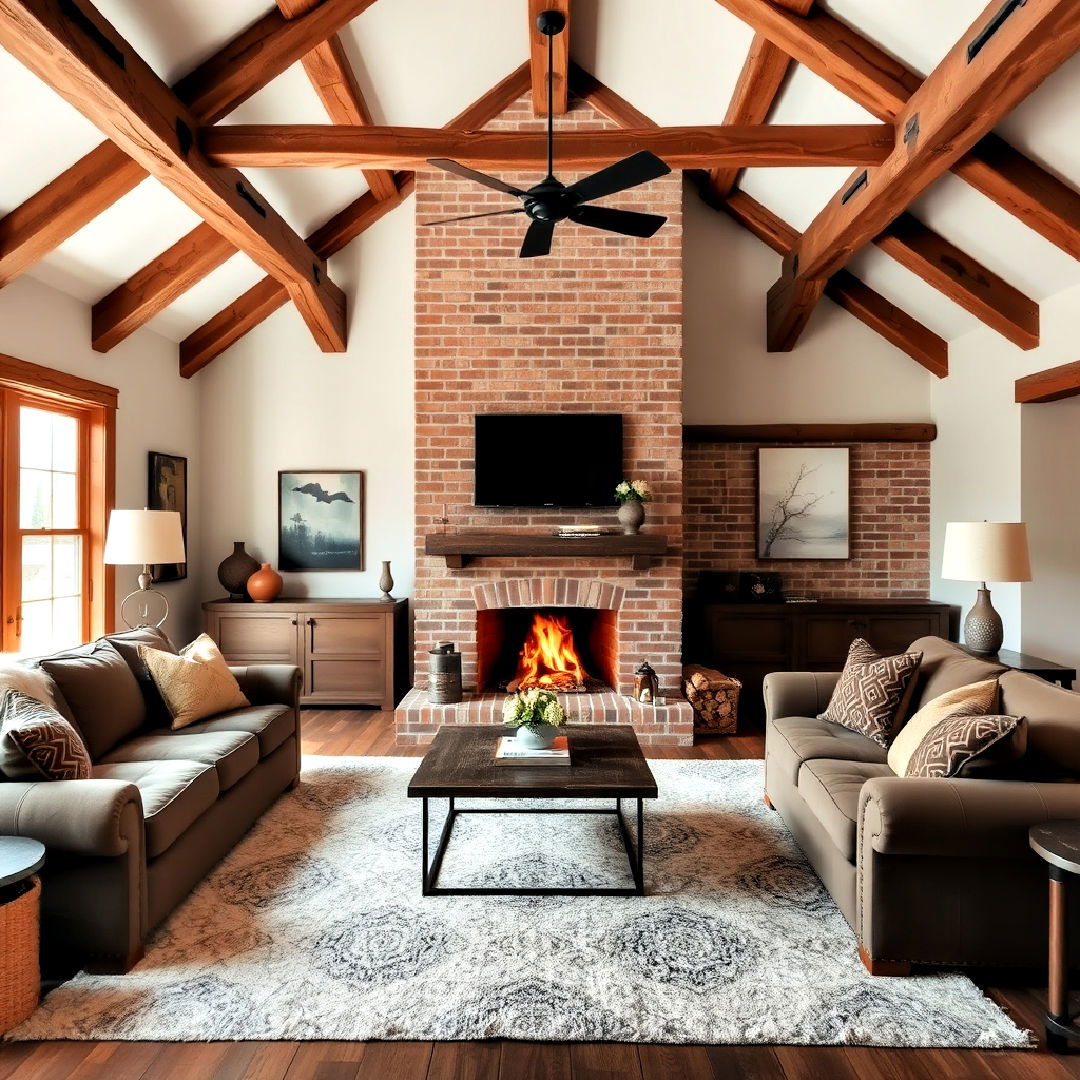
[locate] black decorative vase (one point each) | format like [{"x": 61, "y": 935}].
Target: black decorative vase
[{"x": 234, "y": 572}]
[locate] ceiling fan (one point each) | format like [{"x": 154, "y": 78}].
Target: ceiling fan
[{"x": 551, "y": 201}]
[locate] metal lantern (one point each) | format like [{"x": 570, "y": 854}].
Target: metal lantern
[
  {"x": 646, "y": 684},
  {"x": 444, "y": 674}
]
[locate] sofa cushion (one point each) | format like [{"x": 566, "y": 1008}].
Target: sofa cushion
[
  {"x": 873, "y": 691},
  {"x": 794, "y": 739},
  {"x": 37, "y": 743},
  {"x": 174, "y": 794},
  {"x": 127, "y": 645},
  {"x": 945, "y": 666},
  {"x": 100, "y": 692},
  {"x": 233, "y": 753},
  {"x": 959, "y": 739},
  {"x": 831, "y": 791},
  {"x": 195, "y": 684},
  {"x": 1053, "y": 722},
  {"x": 270, "y": 724}
]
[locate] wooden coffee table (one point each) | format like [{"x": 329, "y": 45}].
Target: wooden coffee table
[{"x": 606, "y": 763}]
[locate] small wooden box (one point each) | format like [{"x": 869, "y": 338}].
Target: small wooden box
[{"x": 714, "y": 697}]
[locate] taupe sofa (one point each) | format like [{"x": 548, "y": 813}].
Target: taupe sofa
[
  {"x": 160, "y": 809},
  {"x": 926, "y": 871}
]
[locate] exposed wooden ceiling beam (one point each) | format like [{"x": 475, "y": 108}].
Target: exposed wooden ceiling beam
[
  {"x": 332, "y": 77},
  {"x": 758, "y": 85},
  {"x": 883, "y": 85},
  {"x": 227, "y": 327},
  {"x": 70, "y": 46},
  {"x": 994, "y": 66},
  {"x": 869, "y": 307},
  {"x": 313, "y": 146},
  {"x": 538, "y": 59},
  {"x": 845, "y": 290},
  {"x": 962, "y": 279},
  {"x": 212, "y": 90},
  {"x": 1050, "y": 385}
]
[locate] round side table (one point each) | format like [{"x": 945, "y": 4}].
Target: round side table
[{"x": 20, "y": 894}]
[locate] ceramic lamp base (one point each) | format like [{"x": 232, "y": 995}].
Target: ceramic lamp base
[{"x": 983, "y": 631}]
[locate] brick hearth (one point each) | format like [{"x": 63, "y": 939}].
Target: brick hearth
[{"x": 594, "y": 327}]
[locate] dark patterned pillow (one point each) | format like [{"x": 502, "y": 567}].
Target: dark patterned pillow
[
  {"x": 37, "y": 743},
  {"x": 873, "y": 690},
  {"x": 951, "y": 744}
]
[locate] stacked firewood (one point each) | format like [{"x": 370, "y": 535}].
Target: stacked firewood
[{"x": 714, "y": 698}]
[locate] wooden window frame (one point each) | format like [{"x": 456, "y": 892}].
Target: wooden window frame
[{"x": 95, "y": 404}]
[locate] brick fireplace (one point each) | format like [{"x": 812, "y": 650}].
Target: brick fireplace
[{"x": 594, "y": 327}]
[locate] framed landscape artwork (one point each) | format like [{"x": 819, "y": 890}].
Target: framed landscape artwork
[
  {"x": 167, "y": 490},
  {"x": 803, "y": 502},
  {"x": 320, "y": 520}
]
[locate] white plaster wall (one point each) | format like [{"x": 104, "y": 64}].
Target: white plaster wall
[
  {"x": 274, "y": 402},
  {"x": 840, "y": 370},
  {"x": 156, "y": 410}
]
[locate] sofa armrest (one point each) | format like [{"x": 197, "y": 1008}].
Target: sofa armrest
[
  {"x": 959, "y": 818},
  {"x": 84, "y": 817},
  {"x": 270, "y": 684},
  {"x": 798, "y": 693}
]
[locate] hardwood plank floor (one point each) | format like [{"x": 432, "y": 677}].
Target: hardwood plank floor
[{"x": 369, "y": 733}]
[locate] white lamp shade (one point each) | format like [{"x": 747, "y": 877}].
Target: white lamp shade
[
  {"x": 986, "y": 551},
  {"x": 138, "y": 537}
]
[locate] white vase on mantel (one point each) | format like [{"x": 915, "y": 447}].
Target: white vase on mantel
[{"x": 631, "y": 516}]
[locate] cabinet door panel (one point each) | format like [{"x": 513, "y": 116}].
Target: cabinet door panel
[
  {"x": 346, "y": 680},
  {"x": 271, "y": 638},
  {"x": 348, "y": 635},
  {"x": 747, "y": 636},
  {"x": 894, "y": 633},
  {"x": 829, "y": 636}
]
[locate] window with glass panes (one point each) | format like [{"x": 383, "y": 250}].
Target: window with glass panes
[{"x": 52, "y": 522}]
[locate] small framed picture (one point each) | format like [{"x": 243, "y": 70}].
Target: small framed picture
[
  {"x": 167, "y": 490},
  {"x": 803, "y": 502},
  {"x": 320, "y": 520}
]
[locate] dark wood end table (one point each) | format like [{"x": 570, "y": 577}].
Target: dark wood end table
[
  {"x": 606, "y": 763},
  {"x": 1033, "y": 665},
  {"x": 1058, "y": 843}
]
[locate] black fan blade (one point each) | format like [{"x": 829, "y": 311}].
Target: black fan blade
[
  {"x": 469, "y": 217},
  {"x": 627, "y": 222},
  {"x": 537, "y": 240},
  {"x": 471, "y": 174},
  {"x": 636, "y": 169}
]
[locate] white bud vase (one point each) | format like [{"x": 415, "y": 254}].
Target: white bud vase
[
  {"x": 631, "y": 516},
  {"x": 538, "y": 736}
]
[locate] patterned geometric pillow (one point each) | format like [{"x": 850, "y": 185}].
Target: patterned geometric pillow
[
  {"x": 37, "y": 743},
  {"x": 873, "y": 690},
  {"x": 955, "y": 741}
]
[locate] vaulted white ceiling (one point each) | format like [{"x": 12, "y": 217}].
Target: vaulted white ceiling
[{"x": 420, "y": 62}]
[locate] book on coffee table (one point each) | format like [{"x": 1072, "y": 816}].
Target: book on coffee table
[{"x": 510, "y": 752}]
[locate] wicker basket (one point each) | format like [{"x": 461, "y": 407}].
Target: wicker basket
[
  {"x": 20, "y": 976},
  {"x": 714, "y": 697}
]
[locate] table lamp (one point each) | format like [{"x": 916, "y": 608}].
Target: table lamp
[
  {"x": 985, "y": 551},
  {"x": 144, "y": 537}
]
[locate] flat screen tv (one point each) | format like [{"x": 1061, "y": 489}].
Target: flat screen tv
[{"x": 548, "y": 459}]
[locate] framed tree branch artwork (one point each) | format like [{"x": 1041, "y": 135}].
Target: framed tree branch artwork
[
  {"x": 320, "y": 520},
  {"x": 167, "y": 490},
  {"x": 804, "y": 503}
]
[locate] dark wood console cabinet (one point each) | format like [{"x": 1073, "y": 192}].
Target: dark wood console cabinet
[
  {"x": 352, "y": 652},
  {"x": 750, "y": 640}
]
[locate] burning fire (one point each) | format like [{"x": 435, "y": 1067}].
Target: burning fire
[{"x": 548, "y": 658}]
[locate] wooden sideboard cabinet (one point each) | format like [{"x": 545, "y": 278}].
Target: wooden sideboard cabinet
[
  {"x": 352, "y": 652},
  {"x": 749, "y": 640}
]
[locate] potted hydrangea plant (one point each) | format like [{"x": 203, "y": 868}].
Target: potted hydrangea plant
[
  {"x": 631, "y": 495},
  {"x": 537, "y": 715}
]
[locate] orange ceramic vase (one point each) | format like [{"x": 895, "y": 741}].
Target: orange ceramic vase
[{"x": 265, "y": 584}]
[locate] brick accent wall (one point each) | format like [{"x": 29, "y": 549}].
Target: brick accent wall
[
  {"x": 890, "y": 521},
  {"x": 594, "y": 327}
]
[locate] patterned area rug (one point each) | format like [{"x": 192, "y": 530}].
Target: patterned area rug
[{"x": 314, "y": 928}]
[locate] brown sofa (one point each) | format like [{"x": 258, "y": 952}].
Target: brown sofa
[
  {"x": 926, "y": 871},
  {"x": 161, "y": 807}
]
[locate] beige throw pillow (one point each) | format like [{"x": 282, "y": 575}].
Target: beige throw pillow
[
  {"x": 975, "y": 699},
  {"x": 195, "y": 684}
]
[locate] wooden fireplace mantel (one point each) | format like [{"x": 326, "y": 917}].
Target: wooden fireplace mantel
[{"x": 643, "y": 549}]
